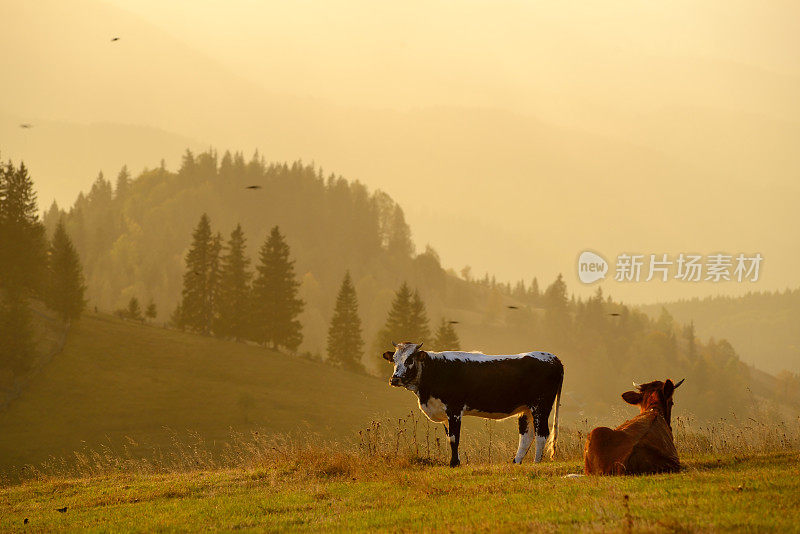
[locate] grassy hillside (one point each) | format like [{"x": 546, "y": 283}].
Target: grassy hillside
[
  {"x": 116, "y": 379},
  {"x": 758, "y": 494},
  {"x": 49, "y": 333}
]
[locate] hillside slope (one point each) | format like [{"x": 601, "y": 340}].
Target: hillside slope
[{"x": 116, "y": 379}]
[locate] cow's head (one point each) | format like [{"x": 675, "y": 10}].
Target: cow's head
[
  {"x": 653, "y": 395},
  {"x": 408, "y": 360}
]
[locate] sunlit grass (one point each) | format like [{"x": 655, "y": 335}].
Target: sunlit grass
[
  {"x": 393, "y": 475},
  {"x": 760, "y": 493}
]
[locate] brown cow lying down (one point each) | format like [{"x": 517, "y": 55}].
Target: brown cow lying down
[{"x": 641, "y": 445}]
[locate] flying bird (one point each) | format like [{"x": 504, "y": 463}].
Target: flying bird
[
  {"x": 253, "y": 187},
  {"x": 512, "y": 307},
  {"x": 615, "y": 314},
  {"x": 453, "y": 322},
  {"x": 114, "y": 39},
  {"x": 26, "y": 125},
  {"x": 62, "y": 510}
]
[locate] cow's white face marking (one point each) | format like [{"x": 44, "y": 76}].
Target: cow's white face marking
[
  {"x": 404, "y": 365},
  {"x": 458, "y": 356}
]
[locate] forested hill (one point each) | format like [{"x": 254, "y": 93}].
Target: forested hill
[
  {"x": 133, "y": 234},
  {"x": 133, "y": 237},
  {"x": 762, "y": 326}
]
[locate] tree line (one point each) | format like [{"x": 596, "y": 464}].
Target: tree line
[
  {"x": 32, "y": 268},
  {"x": 222, "y": 296}
]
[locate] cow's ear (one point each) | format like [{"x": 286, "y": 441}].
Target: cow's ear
[
  {"x": 632, "y": 397},
  {"x": 388, "y": 355},
  {"x": 669, "y": 388}
]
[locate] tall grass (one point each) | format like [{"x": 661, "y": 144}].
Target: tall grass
[{"x": 406, "y": 442}]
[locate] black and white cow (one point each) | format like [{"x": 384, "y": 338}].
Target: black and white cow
[{"x": 452, "y": 384}]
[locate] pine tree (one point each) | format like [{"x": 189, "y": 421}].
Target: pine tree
[
  {"x": 407, "y": 319},
  {"x": 197, "y": 301},
  {"x": 689, "y": 335},
  {"x": 399, "y": 241},
  {"x": 214, "y": 278},
  {"x": 233, "y": 319},
  {"x": 176, "y": 317},
  {"x": 275, "y": 301},
  {"x": 419, "y": 319},
  {"x": 134, "y": 310},
  {"x": 123, "y": 183},
  {"x": 345, "y": 345},
  {"x": 23, "y": 246},
  {"x": 446, "y": 337},
  {"x": 397, "y": 329},
  {"x": 65, "y": 281},
  {"x": 533, "y": 292},
  {"x": 151, "y": 312}
]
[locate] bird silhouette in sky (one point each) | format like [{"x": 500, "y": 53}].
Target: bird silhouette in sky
[
  {"x": 512, "y": 307},
  {"x": 615, "y": 314},
  {"x": 253, "y": 187},
  {"x": 453, "y": 322},
  {"x": 26, "y": 125},
  {"x": 114, "y": 39}
]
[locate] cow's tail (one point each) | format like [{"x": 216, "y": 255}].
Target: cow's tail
[{"x": 550, "y": 446}]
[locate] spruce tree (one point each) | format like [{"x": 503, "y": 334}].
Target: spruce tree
[
  {"x": 23, "y": 246},
  {"x": 275, "y": 301},
  {"x": 123, "y": 183},
  {"x": 399, "y": 239},
  {"x": 345, "y": 345},
  {"x": 134, "y": 310},
  {"x": 419, "y": 319},
  {"x": 397, "y": 329},
  {"x": 407, "y": 319},
  {"x": 151, "y": 312},
  {"x": 66, "y": 287},
  {"x": 233, "y": 317},
  {"x": 214, "y": 278},
  {"x": 197, "y": 301},
  {"x": 446, "y": 337}
]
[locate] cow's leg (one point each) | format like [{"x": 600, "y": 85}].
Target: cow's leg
[
  {"x": 454, "y": 431},
  {"x": 525, "y": 436},
  {"x": 540, "y": 416}
]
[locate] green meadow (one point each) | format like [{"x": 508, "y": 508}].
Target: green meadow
[{"x": 756, "y": 494}]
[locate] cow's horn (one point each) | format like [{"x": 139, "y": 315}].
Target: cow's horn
[
  {"x": 394, "y": 344},
  {"x": 419, "y": 346},
  {"x": 635, "y": 385},
  {"x": 679, "y": 383}
]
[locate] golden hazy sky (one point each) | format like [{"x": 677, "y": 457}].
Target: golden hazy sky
[{"x": 515, "y": 134}]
